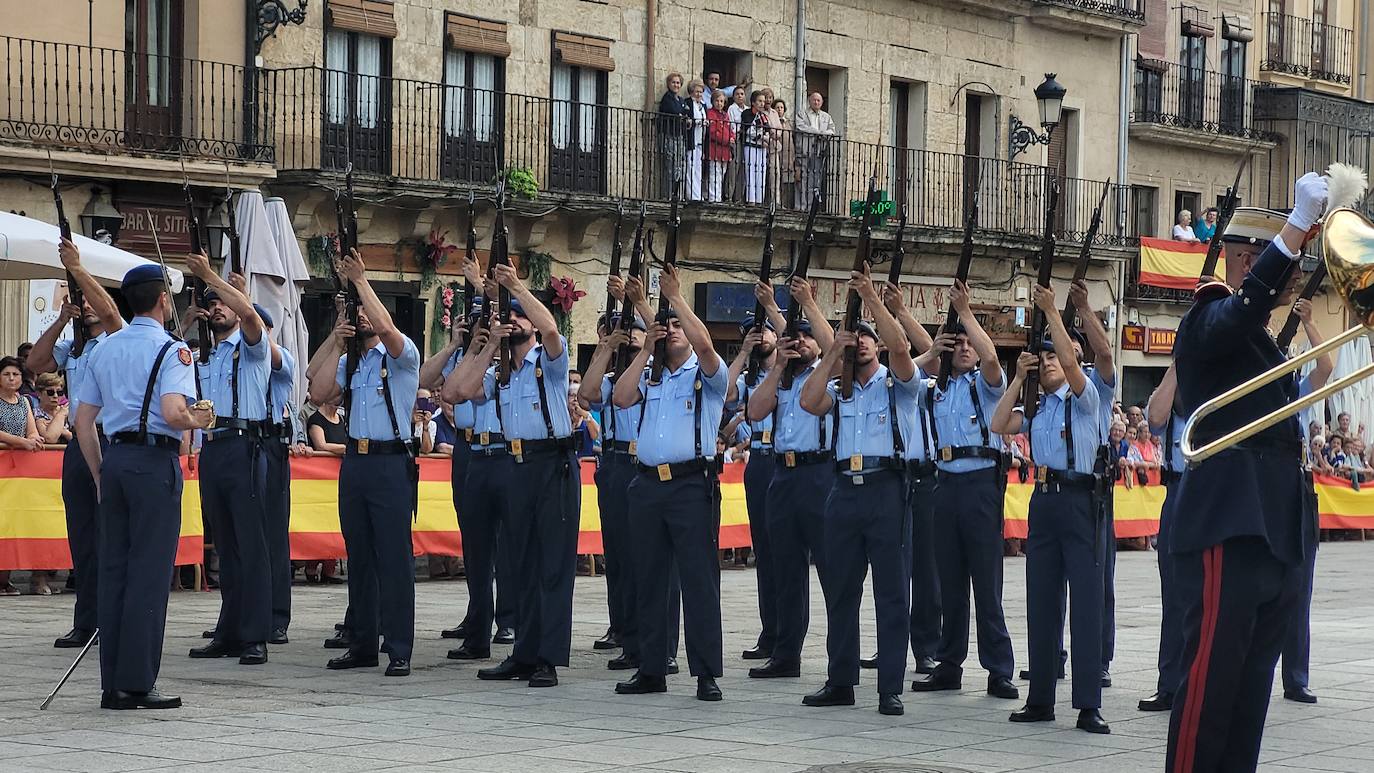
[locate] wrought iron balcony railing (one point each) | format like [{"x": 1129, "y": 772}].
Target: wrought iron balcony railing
[
  {"x": 1300, "y": 46},
  {"x": 1192, "y": 98}
]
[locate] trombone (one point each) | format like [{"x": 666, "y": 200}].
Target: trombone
[{"x": 1348, "y": 247}]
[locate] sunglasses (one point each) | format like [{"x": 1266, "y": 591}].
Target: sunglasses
[{"x": 55, "y": 392}]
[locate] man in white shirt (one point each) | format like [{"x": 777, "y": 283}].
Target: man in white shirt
[{"x": 815, "y": 135}]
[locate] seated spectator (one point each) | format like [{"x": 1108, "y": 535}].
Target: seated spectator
[
  {"x": 51, "y": 414},
  {"x": 326, "y": 428},
  {"x": 1335, "y": 454},
  {"x": 1316, "y": 429},
  {"x": 1317, "y": 455},
  {"x": 1355, "y": 458},
  {"x": 1183, "y": 230},
  {"x": 445, "y": 433},
  {"x": 1208, "y": 226}
]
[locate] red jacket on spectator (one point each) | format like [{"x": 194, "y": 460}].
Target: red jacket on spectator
[{"x": 721, "y": 134}]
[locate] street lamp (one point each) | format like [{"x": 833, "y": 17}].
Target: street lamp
[
  {"x": 1049, "y": 97},
  {"x": 100, "y": 220},
  {"x": 216, "y": 227}
]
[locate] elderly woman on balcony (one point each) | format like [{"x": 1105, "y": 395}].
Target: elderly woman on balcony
[{"x": 1183, "y": 230}]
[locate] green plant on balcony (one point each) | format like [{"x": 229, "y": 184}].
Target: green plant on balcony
[
  {"x": 521, "y": 182},
  {"x": 320, "y": 250},
  {"x": 428, "y": 253}
]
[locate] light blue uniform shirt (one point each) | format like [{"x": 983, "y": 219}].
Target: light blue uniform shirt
[
  {"x": 216, "y": 377},
  {"x": 1048, "y": 446},
  {"x": 797, "y": 430},
  {"x": 464, "y": 414},
  {"x": 1106, "y": 395},
  {"x": 521, "y": 415},
  {"x": 1172, "y": 459},
  {"x": 958, "y": 422},
  {"x": 117, "y": 376},
  {"x": 485, "y": 416},
  {"x": 866, "y": 418},
  {"x": 670, "y": 412},
  {"x": 74, "y": 367},
  {"x": 621, "y": 424},
  {"x": 367, "y": 415},
  {"x": 279, "y": 384},
  {"x": 758, "y": 430}
]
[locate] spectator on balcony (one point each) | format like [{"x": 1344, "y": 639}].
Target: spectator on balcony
[
  {"x": 815, "y": 140},
  {"x": 51, "y": 414},
  {"x": 1208, "y": 226},
  {"x": 712, "y": 83},
  {"x": 787, "y": 167},
  {"x": 758, "y": 140},
  {"x": 721, "y": 145},
  {"x": 734, "y": 173},
  {"x": 674, "y": 125},
  {"x": 696, "y": 141},
  {"x": 1183, "y": 230},
  {"x": 774, "y": 146}
]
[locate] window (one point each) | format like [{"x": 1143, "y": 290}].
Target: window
[
  {"x": 1188, "y": 200},
  {"x": 1148, "y": 95},
  {"x": 474, "y": 85},
  {"x": 1276, "y": 22},
  {"x": 577, "y": 129},
  {"x": 152, "y": 71},
  {"x": 1319, "y": 37},
  {"x": 1144, "y": 210},
  {"x": 906, "y": 136},
  {"x": 1192, "y": 78},
  {"x": 357, "y": 100},
  {"x": 1232, "y": 117}
]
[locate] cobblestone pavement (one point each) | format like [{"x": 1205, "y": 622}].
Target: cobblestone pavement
[{"x": 292, "y": 714}]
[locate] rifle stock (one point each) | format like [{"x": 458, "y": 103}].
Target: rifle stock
[
  {"x": 960, "y": 275},
  {"x": 500, "y": 256},
  {"x": 198, "y": 247},
  {"x": 894, "y": 270},
  {"x": 469, "y": 290},
  {"x": 1224, "y": 213},
  {"x": 621, "y": 357},
  {"x": 854, "y": 304},
  {"x": 751, "y": 375},
  {"x": 64, "y": 227},
  {"x": 235, "y": 253},
  {"x": 348, "y": 242},
  {"x": 1080, "y": 270},
  {"x": 1031, "y": 394},
  {"x": 1309, "y": 291},
  {"x": 803, "y": 265},
  {"x": 669, "y": 259}
]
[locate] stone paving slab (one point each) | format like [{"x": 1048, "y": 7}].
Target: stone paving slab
[{"x": 293, "y": 715}]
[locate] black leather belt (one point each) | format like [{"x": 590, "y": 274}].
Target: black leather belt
[
  {"x": 151, "y": 439},
  {"x": 792, "y": 459},
  {"x": 920, "y": 470},
  {"x": 366, "y": 447},
  {"x": 523, "y": 448},
  {"x": 676, "y": 470},
  {"x": 952, "y": 453},
  {"x": 476, "y": 438},
  {"x": 277, "y": 431},
  {"x": 760, "y": 451},
  {"x": 1048, "y": 480},
  {"x": 865, "y": 464},
  {"x": 490, "y": 451},
  {"x": 628, "y": 447}
]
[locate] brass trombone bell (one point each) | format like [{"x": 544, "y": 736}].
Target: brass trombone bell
[{"x": 1348, "y": 249}]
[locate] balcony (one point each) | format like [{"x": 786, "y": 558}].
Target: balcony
[
  {"x": 1107, "y": 18},
  {"x": 1190, "y": 106},
  {"x": 105, "y": 102},
  {"x": 427, "y": 140},
  {"x": 1301, "y": 47},
  {"x": 1138, "y": 292}
]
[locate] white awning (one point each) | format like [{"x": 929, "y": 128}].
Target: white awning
[{"x": 28, "y": 250}]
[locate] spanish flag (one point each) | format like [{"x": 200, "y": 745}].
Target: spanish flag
[{"x": 1176, "y": 265}]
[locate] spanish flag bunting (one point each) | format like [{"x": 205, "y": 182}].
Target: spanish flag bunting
[{"x": 1171, "y": 264}]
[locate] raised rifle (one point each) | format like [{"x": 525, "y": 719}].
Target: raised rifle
[
  {"x": 1309, "y": 290},
  {"x": 79, "y": 332},
  {"x": 235, "y": 254},
  {"x": 854, "y": 305},
  {"x": 627, "y": 318},
  {"x": 197, "y": 246},
  {"x": 616, "y": 249},
  {"x": 669, "y": 259},
  {"x": 961, "y": 276},
  {"x": 1030, "y": 397},
  {"x": 894, "y": 269},
  {"x": 348, "y": 242},
  {"x": 470, "y": 291},
  {"x": 799, "y": 269},
  {"x": 1080, "y": 270},
  {"x": 500, "y": 256},
  {"x": 751, "y": 373},
  {"x": 1226, "y": 209}
]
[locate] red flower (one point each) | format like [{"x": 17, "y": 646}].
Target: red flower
[{"x": 565, "y": 293}]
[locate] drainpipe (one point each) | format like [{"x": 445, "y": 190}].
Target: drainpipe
[
  {"x": 650, "y": 33},
  {"x": 799, "y": 57},
  {"x": 1366, "y": 33},
  {"x": 1123, "y": 133}
]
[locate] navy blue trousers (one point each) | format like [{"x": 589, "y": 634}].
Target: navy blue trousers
[
  {"x": 1064, "y": 545},
  {"x": 758, "y": 473},
  {"x": 925, "y": 577},
  {"x": 612, "y": 482},
  {"x": 867, "y": 526},
  {"x": 233, "y": 484},
  {"x": 968, "y": 550},
  {"x": 140, "y": 524},
  {"x": 1297, "y": 648},
  {"x": 487, "y": 484},
  {"x": 1171, "y": 621},
  {"x": 375, "y": 500},
  {"x": 1238, "y": 603},
  {"x": 541, "y": 520},
  {"x": 796, "y": 530},
  {"x": 1108, "y": 592},
  {"x": 83, "y": 533},
  {"x": 676, "y": 523},
  {"x": 278, "y": 501}
]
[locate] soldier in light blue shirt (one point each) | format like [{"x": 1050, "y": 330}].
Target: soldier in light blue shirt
[
  {"x": 1168, "y": 426},
  {"x": 99, "y": 318},
  {"x": 233, "y": 467},
  {"x": 541, "y": 513},
  {"x": 378, "y": 475},
  {"x": 675, "y": 495},
  {"x": 1066, "y": 540},
  {"x": 281, "y": 440},
  {"x": 139, "y": 484}
]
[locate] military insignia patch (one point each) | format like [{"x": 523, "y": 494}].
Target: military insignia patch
[{"x": 184, "y": 355}]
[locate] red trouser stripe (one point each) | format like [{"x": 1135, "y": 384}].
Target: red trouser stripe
[{"x": 1197, "y": 673}]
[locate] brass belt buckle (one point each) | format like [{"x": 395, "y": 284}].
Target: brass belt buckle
[
  {"x": 517, "y": 448},
  {"x": 485, "y": 438},
  {"x": 634, "y": 448},
  {"x": 767, "y": 437},
  {"x": 665, "y": 473},
  {"x": 947, "y": 454},
  {"x": 467, "y": 433},
  {"x": 363, "y": 444},
  {"x": 1042, "y": 474},
  {"x": 856, "y": 463},
  {"x": 791, "y": 458}
]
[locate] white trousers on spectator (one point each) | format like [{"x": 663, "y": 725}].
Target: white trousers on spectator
[
  {"x": 717, "y": 170},
  {"x": 755, "y": 173},
  {"x": 694, "y": 157}
]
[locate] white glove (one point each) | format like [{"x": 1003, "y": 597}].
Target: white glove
[{"x": 1309, "y": 197}]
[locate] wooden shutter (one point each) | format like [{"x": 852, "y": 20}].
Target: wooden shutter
[
  {"x": 467, "y": 33},
  {"x": 583, "y": 51},
  {"x": 371, "y": 17}
]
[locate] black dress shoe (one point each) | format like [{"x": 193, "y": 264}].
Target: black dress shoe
[
  {"x": 642, "y": 684},
  {"x": 508, "y": 669},
  {"x": 253, "y": 655},
  {"x": 544, "y": 675},
  {"x": 1160, "y": 701},
  {"x": 707, "y": 689},
  {"x": 775, "y": 669},
  {"x": 75, "y": 639},
  {"x": 1001, "y": 687},
  {"x": 1030, "y": 713},
  {"x": 830, "y": 695},
  {"x": 890, "y": 703},
  {"x": 504, "y": 636},
  {"x": 1106, "y": 678},
  {"x": 622, "y": 662},
  {"x": 341, "y": 640},
  {"x": 939, "y": 679},
  {"x": 1300, "y": 694},
  {"x": 1025, "y": 673},
  {"x": 610, "y": 641},
  {"x": 672, "y": 666},
  {"x": 210, "y": 634},
  {"x": 398, "y": 667},
  {"x": 458, "y": 632},
  {"x": 278, "y": 637},
  {"x": 125, "y": 701},
  {"x": 217, "y": 649},
  {"x": 869, "y": 663},
  {"x": 1092, "y": 721},
  {"x": 351, "y": 659},
  {"x": 924, "y": 665},
  {"x": 467, "y": 652},
  {"x": 107, "y": 698},
  {"x": 757, "y": 652}
]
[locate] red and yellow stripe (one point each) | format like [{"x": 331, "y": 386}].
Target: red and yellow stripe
[{"x": 1167, "y": 263}]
